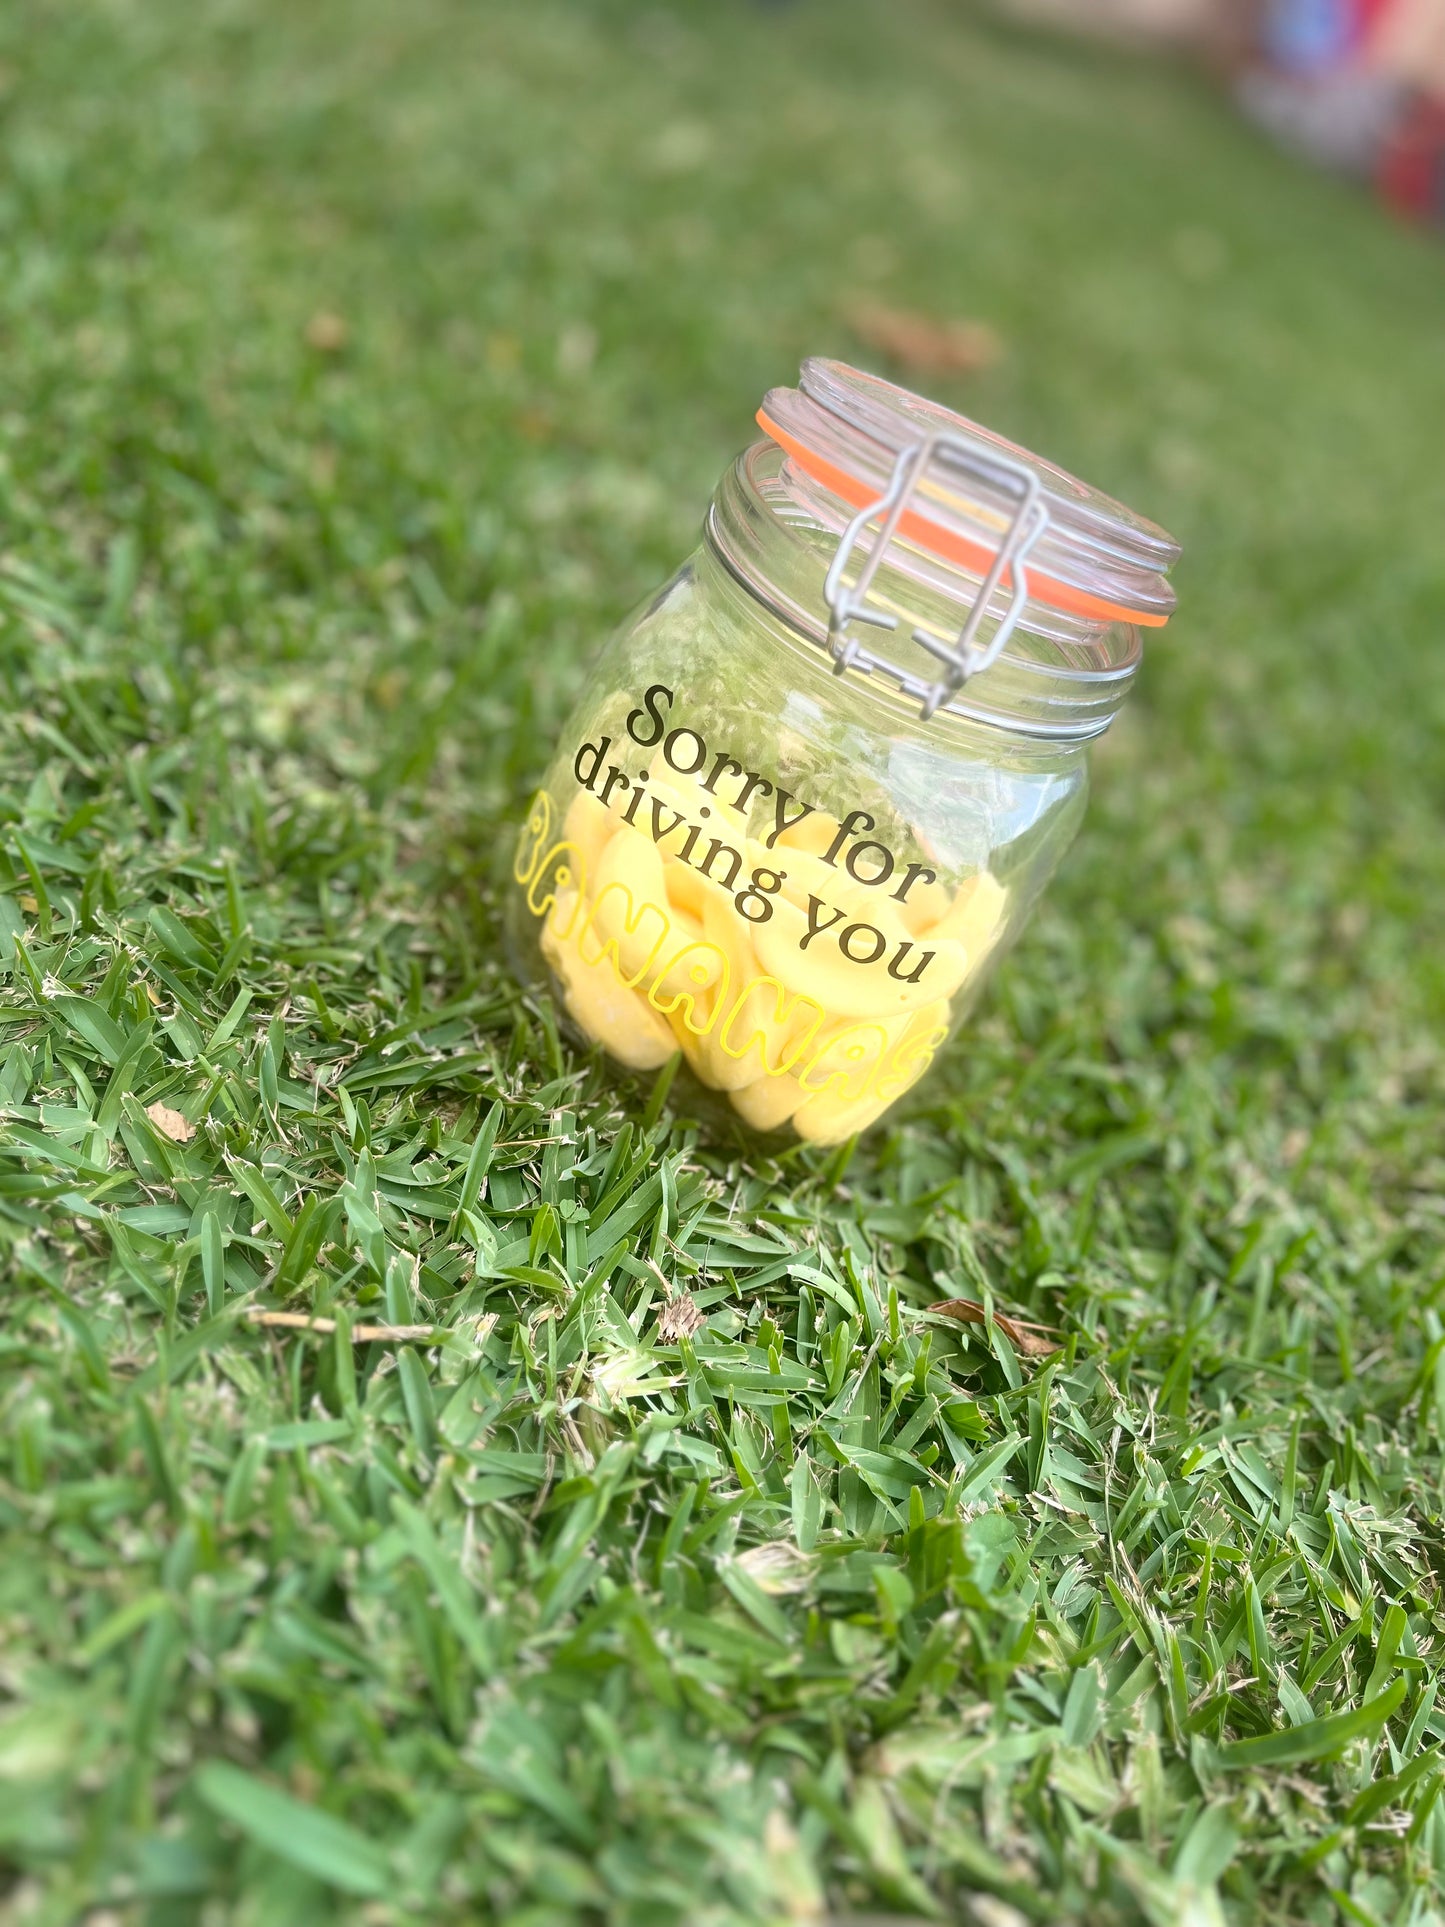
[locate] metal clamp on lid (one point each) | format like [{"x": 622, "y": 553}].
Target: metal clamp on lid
[{"x": 848, "y": 603}]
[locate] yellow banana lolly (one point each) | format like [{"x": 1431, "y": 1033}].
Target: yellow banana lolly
[
  {"x": 801, "y": 1021},
  {"x": 619, "y": 1019},
  {"x": 589, "y": 826},
  {"x": 974, "y": 917},
  {"x": 768, "y": 1104}
]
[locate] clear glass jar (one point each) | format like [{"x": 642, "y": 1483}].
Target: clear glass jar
[{"x": 814, "y": 787}]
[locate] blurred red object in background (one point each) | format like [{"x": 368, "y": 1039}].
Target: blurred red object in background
[
  {"x": 1408, "y": 45},
  {"x": 1411, "y": 167},
  {"x": 1356, "y": 85}
]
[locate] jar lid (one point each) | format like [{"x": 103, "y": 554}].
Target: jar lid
[{"x": 1089, "y": 556}]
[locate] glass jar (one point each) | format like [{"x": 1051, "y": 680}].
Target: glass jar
[{"x": 814, "y": 787}]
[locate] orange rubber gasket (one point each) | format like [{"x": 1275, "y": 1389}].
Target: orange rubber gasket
[{"x": 976, "y": 557}]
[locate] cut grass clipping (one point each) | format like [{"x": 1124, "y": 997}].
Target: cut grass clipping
[{"x": 437, "y": 1485}]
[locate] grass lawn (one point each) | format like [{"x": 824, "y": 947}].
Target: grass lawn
[{"x": 360, "y": 364}]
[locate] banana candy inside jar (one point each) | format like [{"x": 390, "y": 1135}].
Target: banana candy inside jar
[{"x": 815, "y": 785}]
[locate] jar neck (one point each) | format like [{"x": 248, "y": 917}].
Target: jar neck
[{"x": 775, "y": 531}]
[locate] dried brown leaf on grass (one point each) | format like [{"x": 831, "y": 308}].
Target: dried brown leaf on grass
[
  {"x": 327, "y": 333},
  {"x": 1034, "y": 1341},
  {"x": 170, "y": 1123},
  {"x": 922, "y": 344}
]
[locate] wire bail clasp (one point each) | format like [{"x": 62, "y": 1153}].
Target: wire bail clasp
[{"x": 961, "y": 658}]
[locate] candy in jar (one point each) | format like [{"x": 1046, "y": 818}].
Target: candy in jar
[{"x": 813, "y": 788}]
